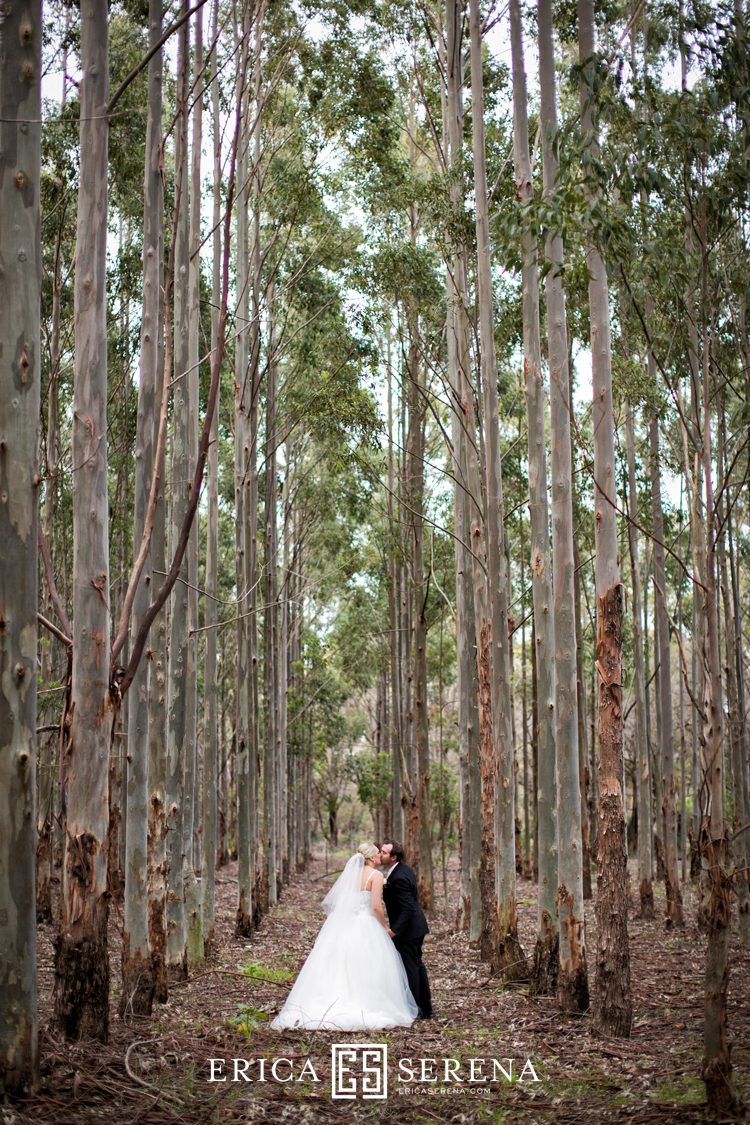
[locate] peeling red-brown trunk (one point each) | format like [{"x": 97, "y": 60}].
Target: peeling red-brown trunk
[
  {"x": 544, "y": 970},
  {"x": 572, "y": 979},
  {"x": 81, "y": 961},
  {"x": 613, "y": 960},
  {"x": 138, "y": 982}
]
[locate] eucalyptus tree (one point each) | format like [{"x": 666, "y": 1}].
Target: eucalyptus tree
[
  {"x": 20, "y": 391},
  {"x": 137, "y": 963},
  {"x": 546, "y": 949},
  {"x": 57, "y": 210},
  {"x": 664, "y": 674},
  {"x": 506, "y": 954},
  {"x": 81, "y": 962},
  {"x": 179, "y": 641},
  {"x": 252, "y": 486},
  {"x": 271, "y": 781},
  {"x": 243, "y": 469},
  {"x": 211, "y": 617},
  {"x": 613, "y": 1011},
  {"x": 642, "y": 765},
  {"x": 191, "y": 825},
  {"x": 466, "y": 500},
  {"x": 716, "y": 881},
  {"x": 572, "y": 979},
  {"x": 417, "y": 829}
]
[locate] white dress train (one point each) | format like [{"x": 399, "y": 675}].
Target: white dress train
[{"x": 353, "y": 978}]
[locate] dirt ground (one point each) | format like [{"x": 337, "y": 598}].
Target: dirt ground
[{"x": 156, "y": 1070}]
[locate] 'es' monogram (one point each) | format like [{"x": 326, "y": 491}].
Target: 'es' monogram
[{"x": 359, "y": 1070}]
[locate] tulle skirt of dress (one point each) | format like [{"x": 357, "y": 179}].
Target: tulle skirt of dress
[{"x": 353, "y": 980}]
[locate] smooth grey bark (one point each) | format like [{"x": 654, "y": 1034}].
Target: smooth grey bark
[
  {"x": 20, "y": 391},
  {"x": 177, "y": 748},
  {"x": 613, "y": 1011},
  {"x": 715, "y": 909},
  {"x": 507, "y": 955},
  {"x": 81, "y": 962},
  {"x": 397, "y": 813},
  {"x": 210, "y": 615},
  {"x": 469, "y": 912},
  {"x": 137, "y": 967},
  {"x": 252, "y": 392},
  {"x": 282, "y": 734},
  {"x": 243, "y": 469},
  {"x": 192, "y": 827},
  {"x": 642, "y": 764},
  {"x": 270, "y": 622},
  {"x": 418, "y": 831},
  {"x": 546, "y": 947},
  {"x": 664, "y": 676},
  {"x": 572, "y": 983},
  {"x": 738, "y": 735}
]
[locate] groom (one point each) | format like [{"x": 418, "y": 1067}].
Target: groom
[{"x": 408, "y": 924}]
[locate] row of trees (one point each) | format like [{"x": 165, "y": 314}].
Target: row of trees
[{"x": 368, "y": 474}]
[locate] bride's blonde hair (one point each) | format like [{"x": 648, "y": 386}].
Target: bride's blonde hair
[{"x": 367, "y": 850}]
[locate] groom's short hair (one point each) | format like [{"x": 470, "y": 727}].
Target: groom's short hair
[{"x": 397, "y": 849}]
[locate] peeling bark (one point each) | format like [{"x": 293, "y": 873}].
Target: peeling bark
[{"x": 614, "y": 1011}]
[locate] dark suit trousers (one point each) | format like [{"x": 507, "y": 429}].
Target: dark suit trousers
[{"x": 416, "y": 974}]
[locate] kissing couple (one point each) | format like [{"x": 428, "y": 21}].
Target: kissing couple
[{"x": 365, "y": 969}]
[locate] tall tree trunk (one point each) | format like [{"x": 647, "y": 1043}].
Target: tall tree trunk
[
  {"x": 282, "y": 738},
  {"x": 210, "y": 616},
  {"x": 81, "y": 962},
  {"x": 251, "y": 498},
  {"x": 716, "y": 888},
  {"x": 270, "y": 624},
  {"x": 419, "y": 833},
  {"x": 179, "y": 657},
  {"x": 738, "y": 737},
  {"x": 572, "y": 981},
  {"x": 137, "y": 967},
  {"x": 544, "y": 975},
  {"x": 397, "y": 813},
  {"x": 614, "y": 1010},
  {"x": 20, "y": 384},
  {"x": 157, "y": 728},
  {"x": 48, "y": 763},
  {"x": 642, "y": 765},
  {"x": 191, "y": 824},
  {"x": 507, "y": 954},
  {"x": 664, "y": 679},
  {"x": 243, "y": 470}
]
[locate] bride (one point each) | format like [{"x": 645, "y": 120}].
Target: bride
[{"x": 353, "y": 979}]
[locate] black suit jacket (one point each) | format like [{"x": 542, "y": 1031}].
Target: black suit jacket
[{"x": 405, "y": 915}]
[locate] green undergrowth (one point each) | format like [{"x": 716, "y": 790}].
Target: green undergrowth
[
  {"x": 256, "y": 971},
  {"x": 247, "y": 1020},
  {"x": 683, "y": 1090}
]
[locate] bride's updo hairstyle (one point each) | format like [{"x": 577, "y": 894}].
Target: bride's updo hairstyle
[{"x": 367, "y": 850}]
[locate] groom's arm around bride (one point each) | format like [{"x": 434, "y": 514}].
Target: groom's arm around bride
[{"x": 407, "y": 921}]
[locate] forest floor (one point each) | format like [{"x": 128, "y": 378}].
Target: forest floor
[{"x": 156, "y": 1070}]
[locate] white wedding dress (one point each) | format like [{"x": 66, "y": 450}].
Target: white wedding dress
[{"x": 353, "y": 978}]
